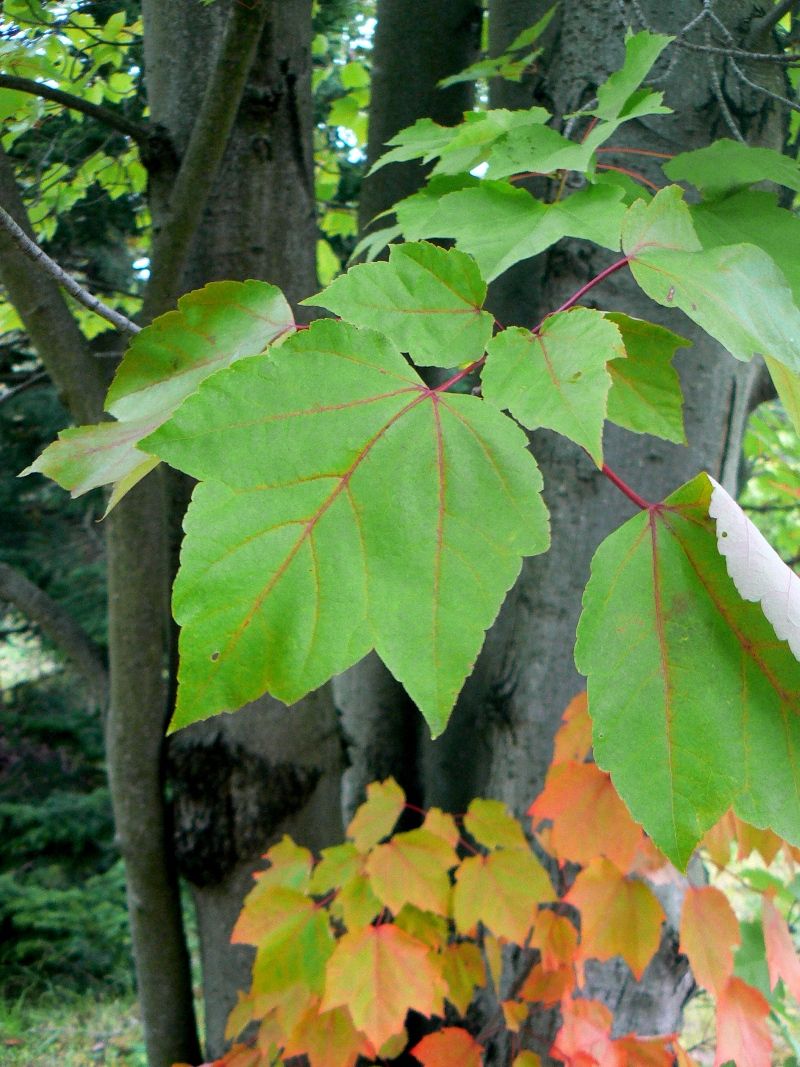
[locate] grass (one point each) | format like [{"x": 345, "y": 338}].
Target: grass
[{"x": 63, "y": 1030}]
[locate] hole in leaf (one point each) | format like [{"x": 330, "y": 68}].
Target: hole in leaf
[{"x": 214, "y": 656}]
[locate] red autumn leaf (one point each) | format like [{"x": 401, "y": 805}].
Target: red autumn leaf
[
  {"x": 492, "y": 825},
  {"x": 500, "y": 890},
  {"x": 709, "y": 933},
  {"x": 619, "y": 916},
  {"x": 450, "y": 1047},
  {"x": 742, "y": 1034},
  {"x": 463, "y": 971},
  {"x": 645, "y": 1051},
  {"x": 379, "y": 974},
  {"x": 413, "y": 868},
  {"x": 547, "y": 987},
  {"x": 573, "y": 740},
  {"x": 782, "y": 958},
  {"x": 589, "y": 819},
  {"x": 556, "y": 938},
  {"x": 328, "y": 1038},
  {"x": 376, "y": 817},
  {"x": 585, "y": 1035}
]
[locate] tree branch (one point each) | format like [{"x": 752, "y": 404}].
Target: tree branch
[
  {"x": 57, "y": 623},
  {"x": 41, "y": 258},
  {"x": 137, "y": 131},
  {"x": 53, "y": 332},
  {"x": 771, "y": 19},
  {"x": 201, "y": 161}
]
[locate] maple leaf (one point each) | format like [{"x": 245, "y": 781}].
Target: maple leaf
[
  {"x": 412, "y": 868},
  {"x": 515, "y": 1014},
  {"x": 379, "y": 974},
  {"x": 709, "y": 932},
  {"x": 678, "y": 760},
  {"x": 491, "y": 824},
  {"x": 376, "y": 817},
  {"x": 556, "y": 377},
  {"x": 585, "y": 1035},
  {"x": 501, "y": 890},
  {"x": 433, "y": 930},
  {"x": 527, "y": 1059},
  {"x": 164, "y": 364},
  {"x": 644, "y": 1051},
  {"x": 619, "y": 916},
  {"x": 337, "y": 865},
  {"x": 556, "y": 939},
  {"x": 742, "y": 1033},
  {"x": 329, "y": 1039},
  {"x": 449, "y": 1047},
  {"x": 573, "y": 740},
  {"x": 547, "y": 987},
  {"x": 463, "y": 971},
  {"x": 375, "y": 535},
  {"x": 425, "y": 299},
  {"x": 443, "y": 825},
  {"x": 589, "y": 819},
  {"x": 782, "y": 958}
]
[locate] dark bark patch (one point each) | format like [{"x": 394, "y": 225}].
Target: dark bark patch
[{"x": 226, "y": 803}]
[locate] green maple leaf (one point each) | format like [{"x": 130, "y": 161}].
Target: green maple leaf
[
  {"x": 736, "y": 293},
  {"x": 645, "y": 393},
  {"x": 428, "y": 301},
  {"x": 695, "y": 702},
  {"x": 726, "y": 165},
  {"x": 491, "y": 824},
  {"x": 349, "y": 506},
  {"x": 166, "y": 362},
  {"x": 556, "y": 377}
]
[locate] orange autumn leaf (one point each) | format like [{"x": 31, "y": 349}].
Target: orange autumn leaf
[
  {"x": 238, "y": 1056},
  {"x": 589, "y": 819},
  {"x": 644, "y": 1051},
  {"x": 556, "y": 938},
  {"x": 755, "y": 839},
  {"x": 585, "y": 1035},
  {"x": 547, "y": 987},
  {"x": 463, "y": 971},
  {"x": 500, "y": 890},
  {"x": 450, "y": 1047},
  {"x": 742, "y": 1033},
  {"x": 412, "y": 868},
  {"x": 379, "y": 973},
  {"x": 328, "y": 1039},
  {"x": 718, "y": 840},
  {"x": 709, "y": 933},
  {"x": 515, "y": 1014},
  {"x": 573, "y": 740},
  {"x": 619, "y": 916},
  {"x": 376, "y": 817},
  {"x": 782, "y": 958}
]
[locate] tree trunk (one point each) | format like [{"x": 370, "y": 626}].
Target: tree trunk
[
  {"x": 499, "y": 742},
  {"x": 238, "y": 783}
]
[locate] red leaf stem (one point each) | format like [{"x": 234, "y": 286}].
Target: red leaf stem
[
  {"x": 631, "y": 174},
  {"x": 637, "y": 152},
  {"x": 623, "y": 487},
  {"x": 601, "y": 277},
  {"x": 461, "y": 374}
]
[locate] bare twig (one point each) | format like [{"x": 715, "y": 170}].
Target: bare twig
[
  {"x": 137, "y": 131},
  {"x": 33, "y": 379},
  {"x": 40, "y": 257},
  {"x": 771, "y": 18},
  {"x": 57, "y": 623}
]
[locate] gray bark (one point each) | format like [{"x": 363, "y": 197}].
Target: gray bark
[{"x": 240, "y": 782}]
